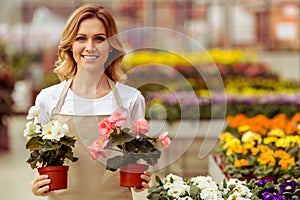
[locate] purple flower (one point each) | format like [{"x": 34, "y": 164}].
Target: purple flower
[
  {"x": 288, "y": 186},
  {"x": 272, "y": 196},
  {"x": 262, "y": 182}
]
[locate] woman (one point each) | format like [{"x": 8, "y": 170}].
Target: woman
[{"x": 89, "y": 55}]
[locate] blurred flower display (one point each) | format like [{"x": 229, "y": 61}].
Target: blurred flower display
[
  {"x": 269, "y": 104},
  {"x": 260, "y": 147},
  {"x": 191, "y": 79},
  {"x": 6, "y": 101}
]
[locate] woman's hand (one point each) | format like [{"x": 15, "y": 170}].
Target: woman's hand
[
  {"x": 40, "y": 185},
  {"x": 145, "y": 184}
]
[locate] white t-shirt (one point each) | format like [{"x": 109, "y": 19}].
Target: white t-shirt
[{"x": 132, "y": 100}]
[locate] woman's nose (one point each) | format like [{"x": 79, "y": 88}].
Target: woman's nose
[{"x": 90, "y": 46}]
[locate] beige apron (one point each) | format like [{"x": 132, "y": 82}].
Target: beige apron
[{"x": 88, "y": 179}]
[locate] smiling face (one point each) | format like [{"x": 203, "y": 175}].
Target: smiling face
[{"x": 90, "y": 48}]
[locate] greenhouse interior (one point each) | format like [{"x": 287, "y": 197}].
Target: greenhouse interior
[{"x": 222, "y": 77}]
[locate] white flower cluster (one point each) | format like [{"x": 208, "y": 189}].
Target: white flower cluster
[
  {"x": 53, "y": 130},
  {"x": 209, "y": 190},
  {"x": 176, "y": 187},
  {"x": 237, "y": 190}
]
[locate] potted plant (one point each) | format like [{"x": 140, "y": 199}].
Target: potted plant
[
  {"x": 135, "y": 150},
  {"x": 49, "y": 147}
]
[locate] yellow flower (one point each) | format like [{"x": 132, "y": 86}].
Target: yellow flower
[
  {"x": 268, "y": 140},
  {"x": 276, "y": 132},
  {"x": 249, "y": 144},
  {"x": 254, "y": 151},
  {"x": 293, "y": 139},
  {"x": 239, "y": 149},
  {"x": 267, "y": 158},
  {"x": 282, "y": 142},
  {"x": 226, "y": 136},
  {"x": 156, "y": 101},
  {"x": 241, "y": 163},
  {"x": 233, "y": 141},
  {"x": 243, "y": 129},
  {"x": 250, "y": 136}
]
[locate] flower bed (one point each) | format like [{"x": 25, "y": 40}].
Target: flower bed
[
  {"x": 177, "y": 105},
  {"x": 260, "y": 147},
  {"x": 205, "y": 188}
]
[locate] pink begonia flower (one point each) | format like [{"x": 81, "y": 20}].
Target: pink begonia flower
[
  {"x": 104, "y": 127},
  {"x": 140, "y": 126},
  {"x": 118, "y": 117},
  {"x": 97, "y": 147},
  {"x": 165, "y": 140}
]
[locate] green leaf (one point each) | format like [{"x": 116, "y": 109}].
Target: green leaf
[
  {"x": 67, "y": 140},
  {"x": 113, "y": 163},
  {"x": 34, "y": 143},
  {"x": 158, "y": 180},
  {"x": 195, "y": 191},
  {"x": 121, "y": 138},
  {"x": 33, "y": 159},
  {"x": 49, "y": 146}
]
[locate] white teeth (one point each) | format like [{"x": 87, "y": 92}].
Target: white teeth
[{"x": 90, "y": 57}]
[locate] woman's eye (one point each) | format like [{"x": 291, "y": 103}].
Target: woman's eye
[
  {"x": 81, "y": 38},
  {"x": 100, "y": 38}
]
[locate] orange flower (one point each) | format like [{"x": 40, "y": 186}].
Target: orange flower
[
  {"x": 263, "y": 148},
  {"x": 296, "y": 118},
  {"x": 284, "y": 163},
  {"x": 281, "y": 154},
  {"x": 237, "y": 120},
  {"x": 254, "y": 151},
  {"x": 267, "y": 158},
  {"x": 291, "y": 128},
  {"x": 239, "y": 149},
  {"x": 279, "y": 122},
  {"x": 241, "y": 163}
]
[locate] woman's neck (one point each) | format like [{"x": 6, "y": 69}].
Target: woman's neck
[{"x": 90, "y": 87}]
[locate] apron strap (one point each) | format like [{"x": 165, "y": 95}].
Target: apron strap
[
  {"x": 115, "y": 93},
  {"x": 62, "y": 96}
]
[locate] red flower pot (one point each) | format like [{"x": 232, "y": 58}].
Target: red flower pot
[
  {"x": 58, "y": 176},
  {"x": 130, "y": 175}
]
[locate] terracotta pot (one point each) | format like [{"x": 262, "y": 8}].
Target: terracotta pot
[
  {"x": 58, "y": 176},
  {"x": 130, "y": 175}
]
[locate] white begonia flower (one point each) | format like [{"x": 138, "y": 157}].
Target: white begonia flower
[
  {"x": 33, "y": 112},
  {"x": 54, "y": 130},
  {"x": 237, "y": 196},
  {"x": 174, "y": 177},
  {"x": 175, "y": 183},
  {"x": 204, "y": 182},
  {"x": 177, "y": 190},
  {"x": 211, "y": 194},
  {"x": 244, "y": 191},
  {"x": 234, "y": 181},
  {"x": 29, "y": 130}
]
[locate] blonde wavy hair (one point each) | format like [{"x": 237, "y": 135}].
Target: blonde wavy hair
[{"x": 66, "y": 67}]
